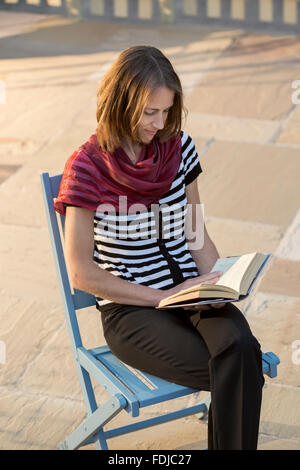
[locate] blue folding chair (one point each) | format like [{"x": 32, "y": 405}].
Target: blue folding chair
[{"x": 127, "y": 391}]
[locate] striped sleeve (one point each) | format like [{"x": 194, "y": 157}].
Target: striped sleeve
[
  {"x": 191, "y": 163},
  {"x": 78, "y": 186}
]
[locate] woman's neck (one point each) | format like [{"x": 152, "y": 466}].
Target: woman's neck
[{"x": 132, "y": 149}]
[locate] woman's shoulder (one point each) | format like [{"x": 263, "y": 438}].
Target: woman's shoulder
[
  {"x": 190, "y": 158},
  {"x": 186, "y": 138},
  {"x": 80, "y": 159},
  {"x": 187, "y": 143}
]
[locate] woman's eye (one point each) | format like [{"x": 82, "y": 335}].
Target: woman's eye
[{"x": 149, "y": 113}]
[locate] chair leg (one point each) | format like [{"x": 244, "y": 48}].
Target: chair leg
[
  {"x": 204, "y": 414},
  {"x": 100, "y": 441},
  {"x": 93, "y": 424}
]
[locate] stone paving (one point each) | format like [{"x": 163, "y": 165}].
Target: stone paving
[{"x": 238, "y": 88}]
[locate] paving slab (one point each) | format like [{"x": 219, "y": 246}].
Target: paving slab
[
  {"x": 290, "y": 130},
  {"x": 19, "y": 319},
  {"x": 30, "y": 422},
  {"x": 57, "y": 107},
  {"x": 280, "y": 412},
  {"x": 16, "y": 151},
  {"x": 231, "y": 128},
  {"x": 241, "y": 236},
  {"x": 295, "y": 114},
  {"x": 273, "y": 443},
  {"x": 282, "y": 277},
  {"x": 6, "y": 170},
  {"x": 53, "y": 372},
  {"x": 178, "y": 434},
  {"x": 290, "y": 134},
  {"x": 247, "y": 182},
  {"x": 12, "y": 24},
  {"x": 275, "y": 321},
  {"x": 251, "y": 80},
  {"x": 27, "y": 268},
  {"x": 265, "y": 442},
  {"x": 56, "y": 153},
  {"x": 289, "y": 246}
]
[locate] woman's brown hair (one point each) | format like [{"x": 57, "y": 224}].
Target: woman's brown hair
[{"x": 124, "y": 91}]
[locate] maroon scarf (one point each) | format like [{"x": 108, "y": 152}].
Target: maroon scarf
[{"x": 92, "y": 176}]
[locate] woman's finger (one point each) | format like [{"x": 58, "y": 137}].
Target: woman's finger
[
  {"x": 218, "y": 305},
  {"x": 197, "y": 307}
]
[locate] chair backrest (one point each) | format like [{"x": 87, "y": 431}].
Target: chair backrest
[{"x": 77, "y": 299}]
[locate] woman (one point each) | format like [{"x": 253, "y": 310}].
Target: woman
[{"x": 125, "y": 193}]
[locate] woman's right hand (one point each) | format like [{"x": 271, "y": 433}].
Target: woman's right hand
[{"x": 209, "y": 278}]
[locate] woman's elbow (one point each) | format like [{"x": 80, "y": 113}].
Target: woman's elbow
[
  {"x": 76, "y": 280},
  {"x": 78, "y": 275}
]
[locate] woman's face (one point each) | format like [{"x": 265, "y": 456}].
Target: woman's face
[{"x": 155, "y": 113}]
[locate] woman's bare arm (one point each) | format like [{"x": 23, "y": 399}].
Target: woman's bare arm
[
  {"x": 205, "y": 256},
  {"x": 86, "y": 275}
]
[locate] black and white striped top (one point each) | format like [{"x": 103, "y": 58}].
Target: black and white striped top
[{"x": 150, "y": 247}]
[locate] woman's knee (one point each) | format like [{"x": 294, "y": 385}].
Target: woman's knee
[
  {"x": 244, "y": 343},
  {"x": 224, "y": 328},
  {"x": 239, "y": 332}
]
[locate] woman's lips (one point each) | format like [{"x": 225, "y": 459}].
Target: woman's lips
[{"x": 151, "y": 132}]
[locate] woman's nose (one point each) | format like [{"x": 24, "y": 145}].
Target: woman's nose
[{"x": 159, "y": 122}]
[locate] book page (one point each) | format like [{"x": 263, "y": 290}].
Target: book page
[
  {"x": 223, "y": 264},
  {"x": 234, "y": 275}
]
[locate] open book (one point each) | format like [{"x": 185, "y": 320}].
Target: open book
[{"x": 239, "y": 276}]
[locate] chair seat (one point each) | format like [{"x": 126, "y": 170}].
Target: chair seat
[{"x": 139, "y": 388}]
